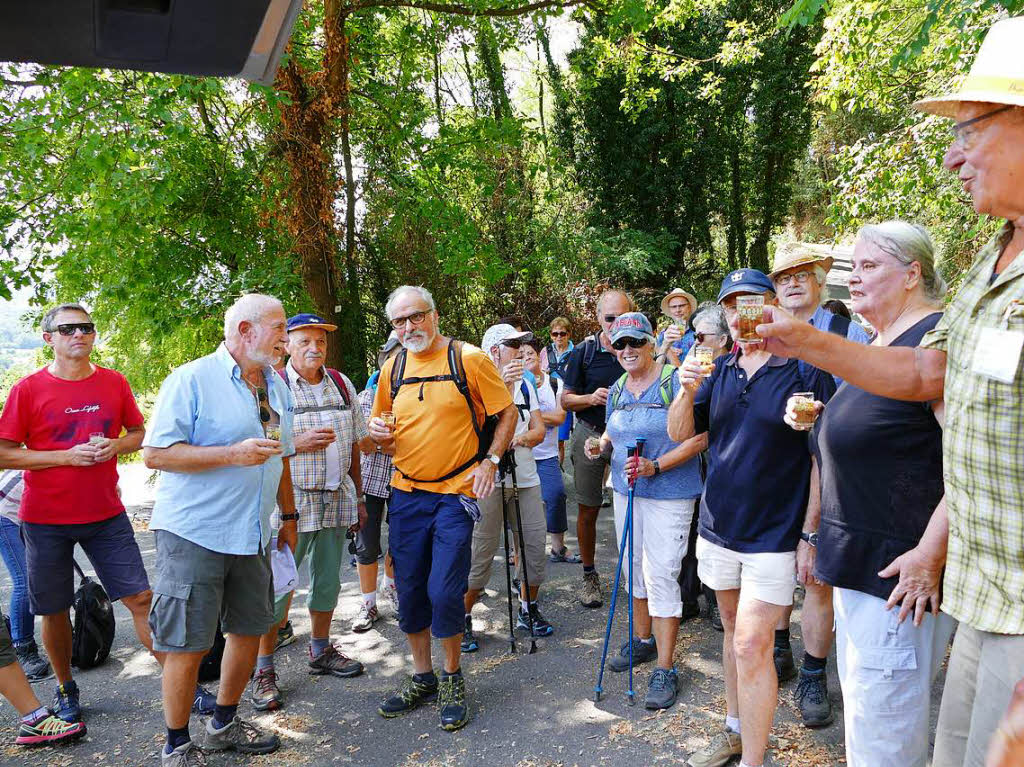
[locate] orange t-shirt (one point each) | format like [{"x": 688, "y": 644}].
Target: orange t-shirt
[{"x": 433, "y": 433}]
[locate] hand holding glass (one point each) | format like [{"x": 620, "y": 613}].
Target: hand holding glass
[{"x": 751, "y": 312}]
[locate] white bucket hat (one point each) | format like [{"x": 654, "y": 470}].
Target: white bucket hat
[{"x": 997, "y": 76}]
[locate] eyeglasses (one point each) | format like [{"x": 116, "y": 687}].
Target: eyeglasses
[
  {"x": 799, "y": 278},
  {"x": 962, "y": 136},
  {"x": 610, "y": 318},
  {"x": 261, "y": 397},
  {"x": 701, "y": 336},
  {"x": 558, "y": 333},
  {"x": 515, "y": 343},
  {"x": 632, "y": 343},
  {"x": 416, "y": 318},
  {"x": 69, "y": 328}
]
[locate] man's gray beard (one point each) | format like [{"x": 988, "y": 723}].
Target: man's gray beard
[
  {"x": 418, "y": 344},
  {"x": 262, "y": 357}
]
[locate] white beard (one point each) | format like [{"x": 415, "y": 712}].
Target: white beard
[{"x": 418, "y": 344}]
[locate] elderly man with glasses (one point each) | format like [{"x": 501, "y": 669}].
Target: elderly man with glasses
[
  {"x": 444, "y": 413},
  {"x": 973, "y": 359}
]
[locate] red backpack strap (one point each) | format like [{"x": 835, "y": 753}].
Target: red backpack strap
[{"x": 340, "y": 383}]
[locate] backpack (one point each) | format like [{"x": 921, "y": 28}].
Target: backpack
[
  {"x": 209, "y": 667},
  {"x": 554, "y": 366},
  {"x": 93, "y": 632},
  {"x": 457, "y": 375},
  {"x": 334, "y": 375},
  {"x": 664, "y": 388},
  {"x": 839, "y": 325},
  {"x": 524, "y": 409},
  {"x": 590, "y": 347}
]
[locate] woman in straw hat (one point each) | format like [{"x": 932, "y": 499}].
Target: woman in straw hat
[{"x": 981, "y": 335}]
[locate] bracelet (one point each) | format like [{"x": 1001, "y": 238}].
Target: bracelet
[
  {"x": 290, "y": 517},
  {"x": 657, "y": 467}
]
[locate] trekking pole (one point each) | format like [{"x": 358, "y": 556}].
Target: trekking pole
[
  {"x": 637, "y": 451},
  {"x": 508, "y": 569},
  {"x": 522, "y": 549}
]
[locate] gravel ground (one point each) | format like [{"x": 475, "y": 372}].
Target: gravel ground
[{"x": 528, "y": 710}]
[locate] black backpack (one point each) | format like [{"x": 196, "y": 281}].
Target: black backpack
[
  {"x": 457, "y": 375},
  {"x": 93, "y": 631},
  {"x": 209, "y": 667}
]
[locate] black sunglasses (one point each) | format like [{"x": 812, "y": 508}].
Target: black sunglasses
[
  {"x": 69, "y": 328},
  {"x": 611, "y": 317},
  {"x": 261, "y": 397},
  {"x": 633, "y": 343},
  {"x": 558, "y": 333},
  {"x": 516, "y": 343},
  {"x": 701, "y": 336}
]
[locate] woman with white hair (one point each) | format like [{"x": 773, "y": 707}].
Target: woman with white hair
[{"x": 880, "y": 463}]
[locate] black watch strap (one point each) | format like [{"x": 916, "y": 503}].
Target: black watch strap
[
  {"x": 657, "y": 467},
  {"x": 290, "y": 517},
  {"x": 811, "y": 538}
]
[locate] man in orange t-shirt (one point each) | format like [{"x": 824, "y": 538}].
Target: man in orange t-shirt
[{"x": 440, "y": 472}]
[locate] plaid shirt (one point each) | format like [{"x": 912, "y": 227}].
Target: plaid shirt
[
  {"x": 12, "y": 483},
  {"x": 376, "y": 467},
  {"x": 318, "y": 507},
  {"x": 983, "y": 452}
]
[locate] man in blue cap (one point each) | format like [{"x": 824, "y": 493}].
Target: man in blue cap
[
  {"x": 756, "y": 513},
  {"x": 328, "y": 489}
]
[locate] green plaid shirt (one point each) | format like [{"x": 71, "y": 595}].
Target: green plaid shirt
[{"x": 983, "y": 452}]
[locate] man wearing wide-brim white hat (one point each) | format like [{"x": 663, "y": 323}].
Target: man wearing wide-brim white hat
[
  {"x": 973, "y": 359},
  {"x": 674, "y": 342}
]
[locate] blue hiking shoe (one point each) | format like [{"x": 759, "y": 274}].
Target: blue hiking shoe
[
  {"x": 469, "y": 641},
  {"x": 661, "y": 690},
  {"x": 65, "y": 703},
  {"x": 204, "y": 701},
  {"x": 541, "y": 627}
]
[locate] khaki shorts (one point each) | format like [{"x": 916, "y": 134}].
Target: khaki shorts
[
  {"x": 487, "y": 533},
  {"x": 195, "y": 586},
  {"x": 587, "y": 474},
  {"x": 766, "y": 576}
]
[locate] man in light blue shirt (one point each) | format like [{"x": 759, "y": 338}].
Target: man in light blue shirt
[{"x": 221, "y": 435}]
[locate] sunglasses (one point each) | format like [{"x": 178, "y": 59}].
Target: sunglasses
[
  {"x": 632, "y": 343},
  {"x": 261, "y": 397},
  {"x": 610, "y": 318},
  {"x": 558, "y": 333},
  {"x": 516, "y": 343},
  {"x": 701, "y": 336},
  {"x": 69, "y": 328}
]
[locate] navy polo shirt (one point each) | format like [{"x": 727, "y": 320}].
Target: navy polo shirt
[
  {"x": 603, "y": 370},
  {"x": 759, "y": 469}
]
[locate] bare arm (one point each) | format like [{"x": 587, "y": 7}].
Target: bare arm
[
  {"x": 534, "y": 435},
  {"x": 684, "y": 452},
  {"x": 680, "y": 415},
  {"x": 898, "y": 372},
  {"x": 483, "y": 474},
  {"x": 805, "y": 552},
  {"x": 366, "y": 445},
  {"x": 189, "y": 459},
  {"x": 13, "y": 456},
  {"x": 130, "y": 442},
  {"x": 577, "y": 402},
  {"x": 288, "y": 534}
]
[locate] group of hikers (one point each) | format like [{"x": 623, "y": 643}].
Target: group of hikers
[{"x": 874, "y": 462}]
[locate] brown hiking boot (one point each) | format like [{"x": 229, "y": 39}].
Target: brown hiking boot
[{"x": 590, "y": 595}]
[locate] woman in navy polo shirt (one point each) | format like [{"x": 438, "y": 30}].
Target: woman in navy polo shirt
[{"x": 752, "y": 512}]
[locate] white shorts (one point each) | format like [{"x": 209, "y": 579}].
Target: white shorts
[
  {"x": 661, "y": 533},
  {"x": 768, "y": 576}
]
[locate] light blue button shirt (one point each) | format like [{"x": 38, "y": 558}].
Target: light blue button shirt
[
  {"x": 206, "y": 403},
  {"x": 822, "y": 318}
]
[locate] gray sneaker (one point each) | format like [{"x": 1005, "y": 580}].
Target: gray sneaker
[
  {"x": 185, "y": 755},
  {"x": 241, "y": 736},
  {"x": 643, "y": 652},
  {"x": 333, "y": 663},
  {"x": 590, "y": 595},
  {"x": 661, "y": 690},
  {"x": 723, "y": 747},
  {"x": 812, "y": 699}
]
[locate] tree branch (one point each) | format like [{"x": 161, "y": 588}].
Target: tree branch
[{"x": 466, "y": 10}]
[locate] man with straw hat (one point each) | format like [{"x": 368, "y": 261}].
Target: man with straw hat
[
  {"x": 973, "y": 358},
  {"x": 675, "y": 341}
]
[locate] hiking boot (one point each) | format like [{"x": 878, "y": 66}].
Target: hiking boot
[
  {"x": 367, "y": 617},
  {"x": 241, "y": 736},
  {"x": 389, "y": 595},
  {"x": 204, "y": 701},
  {"x": 590, "y": 595},
  {"x": 785, "y": 669},
  {"x": 541, "y": 628},
  {"x": 48, "y": 730},
  {"x": 661, "y": 690},
  {"x": 723, "y": 747},
  {"x": 469, "y": 642},
  {"x": 65, "y": 702},
  {"x": 563, "y": 556},
  {"x": 186, "y": 755},
  {"x": 35, "y": 667},
  {"x": 411, "y": 694},
  {"x": 812, "y": 699},
  {"x": 691, "y": 610},
  {"x": 264, "y": 692},
  {"x": 451, "y": 693},
  {"x": 285, "y": 636},
  {"x": 643, "y": 651},
  {"x": 334, "y": 663}
]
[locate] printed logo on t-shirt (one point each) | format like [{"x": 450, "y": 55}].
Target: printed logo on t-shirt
[{"x": 83, "y": 409}]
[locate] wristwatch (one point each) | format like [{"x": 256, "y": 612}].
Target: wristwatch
[
  {"x": 290, "y": 517},
  {"x": 811, "y": 538},
  {"x": 657, "y": 467},
  {"x": 495, "y": 459}
]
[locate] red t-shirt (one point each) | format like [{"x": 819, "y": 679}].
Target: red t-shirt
[{"x": 48, "y": 413}]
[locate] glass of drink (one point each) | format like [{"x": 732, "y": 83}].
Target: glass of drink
[
  {"x": 274, "y": 431},
  {"x": 388, "y": 418},
  {"x": 97, "y": 438},
  {"x": 592, "y": 447},
  {"x": 705, "y": 356},
  {"x": 751, "y": 311},
  {"x": 803, "y": 407}
]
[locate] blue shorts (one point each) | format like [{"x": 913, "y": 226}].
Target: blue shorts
[
  {"x": 430, "y": 536},
  {"x": 552, "y": 488},
  {"x": 109, "y": 544}
]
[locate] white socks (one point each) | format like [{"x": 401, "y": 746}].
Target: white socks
[
  {"x": 370, "y": 600},
  {"x": 387, "y": 583},
  {"x": 733, "y": 723}
]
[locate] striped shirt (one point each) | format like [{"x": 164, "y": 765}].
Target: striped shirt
[
  {"x": 983, "y": 451},
  {"x": 376, "y": 467}
]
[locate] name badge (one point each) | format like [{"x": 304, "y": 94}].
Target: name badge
[{"x": 997, "y": 354}]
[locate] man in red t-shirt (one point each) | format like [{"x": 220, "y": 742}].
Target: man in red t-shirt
[{"x": 70, "y": 417}]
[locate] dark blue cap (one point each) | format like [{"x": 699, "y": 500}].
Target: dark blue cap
[
  {"x": 308, "y": 320},
  {"x": 745, "y": 281}
]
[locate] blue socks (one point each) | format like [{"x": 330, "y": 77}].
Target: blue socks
[
  {"x": 176, "y": 737},
  {"x": 317, "y": 646},
  {"x": 223, "y": 716}
]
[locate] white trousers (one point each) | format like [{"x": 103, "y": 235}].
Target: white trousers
[
  {"x": 661, "y": 533},
  {"x": 886, "y": 669}
]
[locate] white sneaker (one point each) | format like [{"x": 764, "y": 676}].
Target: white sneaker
[
  {"x": 389, "y": 595},
  {"x": 366, "y": 618}
]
